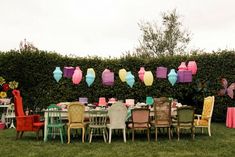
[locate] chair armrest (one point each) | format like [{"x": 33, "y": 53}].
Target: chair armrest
[
  {"x": 36, "y": 117},
  {"x": 198, "y": 117}
]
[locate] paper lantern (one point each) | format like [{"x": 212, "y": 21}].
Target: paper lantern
[
  {"x": 141, "y": 73},
  {"x": 68, "y": 72},
  {"x": 149, "y": 100},
  {"x": 192, "y": 66},
  {"x": 182, "y": 66},
  {"x": 130, "y": 79},
  {"x": 77, "y": 76},
  {"x": 90, "y": 79},
  {"x": 184, "y": 76},
  {"x": 122, "y": 75},
  {"x": 148, "y": 78},
  {"x": 57, "y": 74},
  {"x": 102, "y": 101},
  {"x": 161, "y": 72},
  {"x": 107, "y": 77},
  {"x": 83, "y": 100},
  {"x": 172, "y": 77},
  {"x": 91, "y": 70}
]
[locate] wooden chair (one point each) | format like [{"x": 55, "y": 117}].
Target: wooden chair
[
  {"x": 204, "y": 120},
  {"x": 140, "y": 121},
  {"x": 54, "y": 124},
  {"x": 97, "y": 123},
  {"x": 185, "y": 119},
  {"x": 162, "y": 115},
  {"x": 76, "y": 118},
  {"x": 117, "y": 116}
]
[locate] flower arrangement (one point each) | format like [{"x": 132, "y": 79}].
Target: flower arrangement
[{"x": 6, "y": 87}]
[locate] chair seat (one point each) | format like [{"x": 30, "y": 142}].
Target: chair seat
[
  {"x": 116, "y": 127},
  {"x": 201, "y": 122},
  {"x": 139, "y": 125},
  {"x": 160, "y": 123},
  {"x": 78, "y": 125},
  {"x": 38, "y": 124},
  {"x": 55, "y": 125}
]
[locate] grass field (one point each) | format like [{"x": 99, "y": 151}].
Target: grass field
[{"x": 220, "y": 144}]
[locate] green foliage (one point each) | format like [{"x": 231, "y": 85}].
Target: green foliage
[{"x": 34, "y": 72}]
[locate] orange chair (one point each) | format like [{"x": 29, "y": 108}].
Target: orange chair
[{"x": 23, "y": 122}]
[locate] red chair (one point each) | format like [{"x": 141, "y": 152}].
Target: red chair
[{"x": 23, "y": 122}]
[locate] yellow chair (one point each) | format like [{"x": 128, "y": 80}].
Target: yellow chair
[
  {"x": 76, "y": 118},
  {"x": 204, "y": 120}
]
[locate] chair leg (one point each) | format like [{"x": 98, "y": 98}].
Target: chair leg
[
  {"x": 169, "y": 133},
  {"x": 178, "y": 133},
  {"x": 104, "y": 135},
  {"x": 110, "y": 135},
  {"x": 209, "y": 130},
  {"x": 133, "y": 135},
  {"x": 148, "y": 135},
  {"x": 61, "y": 135},
  {"x": 124, "y": 135},
  {"x": 68, "y": 134},
  {"x": 37, "y": 135},
  {"x": 91, "y": 135},
  {"x": 155, "y": 133},
  {"x": 17, "y": 134},
  {"x": 22, "y": 133},
  {"x": 193, "y": 134},
  {"x": 83, "y": 134}
]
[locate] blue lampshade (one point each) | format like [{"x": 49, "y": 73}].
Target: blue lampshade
[
  {"x": 57, "y": 73},
  {"x": 172, "y": 77},
  {"x": 130, "y": 79},
  {"x": 90, "y": 79}
]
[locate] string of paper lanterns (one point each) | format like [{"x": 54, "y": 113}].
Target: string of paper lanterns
[{"x": 183, "y": 75}]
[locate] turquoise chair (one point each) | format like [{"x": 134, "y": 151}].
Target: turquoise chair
[{"x": 55, "y": 125}]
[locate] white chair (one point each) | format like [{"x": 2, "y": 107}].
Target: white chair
[
  {"x": 117, "y": 115},
  {"x": 10, "y": 116}
]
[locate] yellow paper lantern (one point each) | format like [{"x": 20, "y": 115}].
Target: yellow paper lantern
[
  {"x": 148, "y": 78},
  {"x": 122, "y": 75}
]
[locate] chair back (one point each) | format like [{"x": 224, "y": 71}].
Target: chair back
[
  {"x": 140, "y": 115},
  {"x": 54, "y": 114},
  {"x": 185, "y": 116},
  {"x": 76, "y": 112},
  {"x": 117, "y": 115},
  {"x": 19, "y": 111},
  {"x": 162, "y": 111},
  {"x": 208, "y": 106},
  {"x": 97, "y": 118}
]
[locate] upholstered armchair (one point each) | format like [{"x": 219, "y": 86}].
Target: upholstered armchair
[
  {"x": 24, "y": 122},
  {"x": 204, "y": 120}
]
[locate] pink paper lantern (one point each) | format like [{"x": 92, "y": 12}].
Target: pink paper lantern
[
  {"x": 192, "y": 66},
  {"x": 182, "y": 66},
  {"x": 141, "y": 73},
  {"x": 77, "y": 76},
  {"x": 107, "y": 77}
]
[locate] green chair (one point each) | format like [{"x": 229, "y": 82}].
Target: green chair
[
  {"x": 185, "y": 120},
  {"x": 55, "y": 125}
]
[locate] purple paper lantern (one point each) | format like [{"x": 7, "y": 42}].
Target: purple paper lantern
[
  {"x": 107, "y": 77},
  {"x": 161, "y": 72},
  {"x": 68, "y": 72},
  {"x": 184, "y": 76}
]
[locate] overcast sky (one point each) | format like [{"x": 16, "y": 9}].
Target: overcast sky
[{"x": 110, "y": 27}]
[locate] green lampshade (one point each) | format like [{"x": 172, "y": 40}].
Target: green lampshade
[{"x": 149, "y": 100}]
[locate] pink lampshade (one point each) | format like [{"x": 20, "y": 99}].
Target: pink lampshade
[
  {"x": 192, "y": 66},
  {"x": 141, "y": 73},
  {"x": 102, "y": 101},
  {"x": 182, "y": 66},
  {"x": 77, "y": 76},
  {"x": 107, "y": 77}
]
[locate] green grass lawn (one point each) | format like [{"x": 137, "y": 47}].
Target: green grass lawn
[{"x": 221, "y": 143}]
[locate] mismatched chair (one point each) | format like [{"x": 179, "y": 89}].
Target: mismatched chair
[
  {"x": 140, "y": 121},
  {"x": 204, "y": 120},
  {"x": 76, "y": 112},
  {"x": 162, "y": 115},
  {"x": 185, "y": 120},
  {"x": 25, "y": 123},
  {"x": 117, "y": 115}
]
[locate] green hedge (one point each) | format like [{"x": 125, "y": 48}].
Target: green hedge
[{"x": 33, "y": 71}]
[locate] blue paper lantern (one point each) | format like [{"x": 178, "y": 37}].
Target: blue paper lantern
[
  {"x": 57, "y": 74},
  {"x": 130, "y": 79},
  {"x": 172, "y": 77},
  {"x": 90, "y": 78}
]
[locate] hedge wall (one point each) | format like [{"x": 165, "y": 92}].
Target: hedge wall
[{"x": 33, "y": 71}]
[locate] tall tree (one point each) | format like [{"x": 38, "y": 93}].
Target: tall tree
[{"x": 168, "y": 39}]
